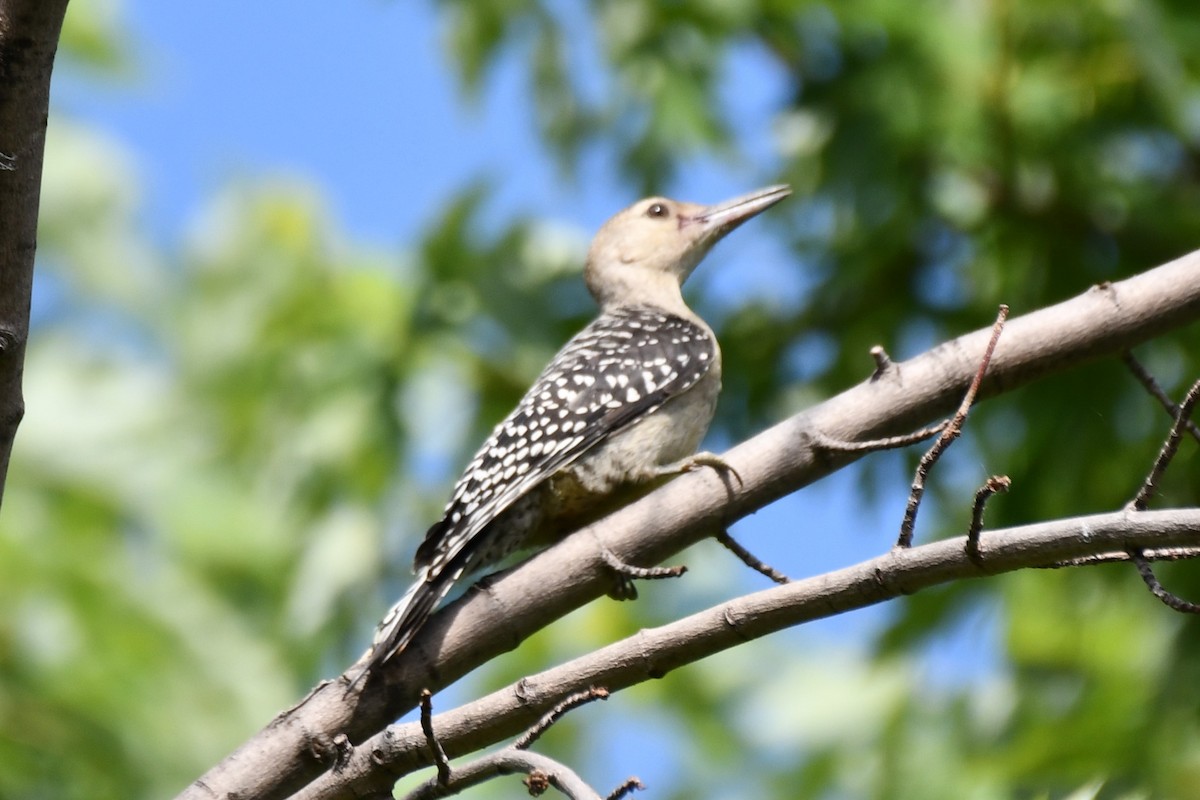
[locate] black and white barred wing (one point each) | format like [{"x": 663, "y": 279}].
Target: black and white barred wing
[{"x": 620, "y": 368}]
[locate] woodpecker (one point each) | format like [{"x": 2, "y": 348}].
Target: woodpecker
[{"x": 622, "y": 407}]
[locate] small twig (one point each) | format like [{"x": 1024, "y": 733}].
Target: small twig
[
  {"x": 1147, "y": 380},
  {"x": 1169, "y": 448},
  {"x": 749, "y": 559},
  {"x": 439, "y": 755},
  {"x": 537, "y": 782},
  {"x": 508, "y": 761},
  {"x": 552, "y": 716},
  {"x": 541, "y": 772},
  {"x": 952, "y": 432},
  {"x": 629, "y": 786},
  {"x": 826, "y": 442},
  {"x": 1169, "y": 599},
  {"x": 1122, "y": 556},
  {"x": 883, "y": 362},
  {"x": 993, "y": 485},
  {"x": 343, "y": 749}
]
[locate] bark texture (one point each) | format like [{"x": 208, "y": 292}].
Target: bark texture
[{"x": 29, "y": 31}]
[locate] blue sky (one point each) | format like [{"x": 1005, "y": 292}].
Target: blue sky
[
  {"x": 361, "y": 98},
  {"x": 356, "y": 98}
]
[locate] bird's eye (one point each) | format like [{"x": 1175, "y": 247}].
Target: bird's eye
[{"x": 658, "y": 210}]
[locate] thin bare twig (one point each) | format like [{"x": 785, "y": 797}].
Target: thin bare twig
[
  {"x": 541, "y": 772},
  {"x": 1141, "y": 500},
  {"x": 1147, "y": 380},
  {"x": 439, "y": 755},
  {"x": 508, "y": 761},
  {"x": 629, "y": 786},
  {"x": 552, "y": 716},
  {"x": 749, "y": 559},
  {"x": 951, "y": 432},
  {"x": 1169, "y": 448},
  {"x": 883, "y": 362},
  {"x": 1123, "y": 556},
  {"x": 343, "y": 749},
  {"x": 993, "y": 485},
  {"x": 1169, "y": 599},
  {"x": 537, "y": 782}
]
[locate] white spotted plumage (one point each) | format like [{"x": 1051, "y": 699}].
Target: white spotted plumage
[
  {"x": 623, "y": 366},
  {"x": 611, "y": 353}
]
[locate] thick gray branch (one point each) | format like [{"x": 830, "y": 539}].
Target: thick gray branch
[{"x": 1105, "y": 320}]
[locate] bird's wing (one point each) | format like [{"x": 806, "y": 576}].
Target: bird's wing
[{"x": 621, "y": 367}]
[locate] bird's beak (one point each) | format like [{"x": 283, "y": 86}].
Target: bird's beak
[{"x": 723, "y": 217}]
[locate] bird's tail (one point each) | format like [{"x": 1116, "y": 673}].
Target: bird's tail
[{"x": 403, "y": 620}]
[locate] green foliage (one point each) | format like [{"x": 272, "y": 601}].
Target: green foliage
[
  {"x": 204, "y": 501},
  {"x": 92, "y": 39}
]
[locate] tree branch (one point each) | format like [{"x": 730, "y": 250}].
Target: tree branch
[
  {"x": 1104, "y": 321},
  {"x": 1170, "y": 447},
  {"x": 948, "y": 436},
  {"x": 513, "y": 758},
  {"x": 508, "y": 761},
  {"x": 655, "y": 652},
  {"x": 29, "y": 32}
]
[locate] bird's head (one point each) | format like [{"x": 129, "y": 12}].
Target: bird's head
[{"x": 652, "y": 247}]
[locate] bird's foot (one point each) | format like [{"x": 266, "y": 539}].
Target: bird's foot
[
  {"x": 699, "y": 460},
  {"x": 624, "y": 587},
  {"x": 834, "y": 444}
]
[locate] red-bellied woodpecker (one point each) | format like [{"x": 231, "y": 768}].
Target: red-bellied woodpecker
[{"x": 624, "y": 404}]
